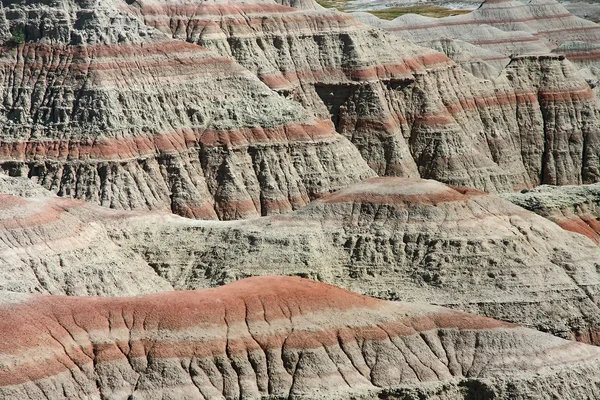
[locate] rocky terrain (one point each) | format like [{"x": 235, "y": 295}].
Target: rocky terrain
[
  {"x": 507, "y": 27},
  {"x": 152, "y": 151},
  {"x": 211, "y": 150},
  {"x": 393, "y": 238},
  {"x": 277, "y": 337},
  {"x": 106, "y": 109},
  {"x": 61, "y": 246},
  {"x": 574, "y": 208},
  {"x": 410, "y": 112}
]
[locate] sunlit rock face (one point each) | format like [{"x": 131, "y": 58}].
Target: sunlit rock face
[{"x": 275, "y": 336}]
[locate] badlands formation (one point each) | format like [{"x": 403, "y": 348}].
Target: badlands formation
[
  {"x": 277, "y": 338},
  {"x": 152, "y": 151},
  {"x": 393, "y": 238},
  {"x": 243, "y": 129},
  {"x": 574, "y": 208}
]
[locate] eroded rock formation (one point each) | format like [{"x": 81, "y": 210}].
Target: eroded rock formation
[
  {"x": 279, "y": 337},
  {"x": 392, "y": 238},
  {"x": 506, "y": 26},
  {"x": 408, "y": 110},
  {"x": 61, "y": 246},
  {"x": 98, "y": 106},
  {"x": 240, "y": 110},
  {"x": 574, "y": 208},
  {"x": 209, "y": 140}
]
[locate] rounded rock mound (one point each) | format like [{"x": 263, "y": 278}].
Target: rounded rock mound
[
  {"x": 396, "y": 238},
  {"x": 573, "y": 208},
  {"x": 61, "y": 246},
  {"x": 275, "y": 337}
]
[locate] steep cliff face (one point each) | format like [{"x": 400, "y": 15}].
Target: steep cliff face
[
  {"x": 97, "y": 106},
  {"x": 211, "y": 141},
  {"x": 276, "y": 338},
  {"x": 409, "y": 111},
  {"x": 560, "y": 142}
]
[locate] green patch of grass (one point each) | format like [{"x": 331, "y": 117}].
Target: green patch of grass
[
  {"x": 391, "y": 13},
  {"x": 18, "y": 37},
  {"x": 427, "y": 11},
  {"x": 339, "y": 4}
]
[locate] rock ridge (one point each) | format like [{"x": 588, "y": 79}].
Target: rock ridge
[{"x": 272, "y": 337}]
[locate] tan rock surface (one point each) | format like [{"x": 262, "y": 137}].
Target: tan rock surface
[
  {"x": 211, "y": 141},
  {"x": 61, "y": 246},
  {"x": 106, "y": 109},
  {"x": 506, "y": 26},
  {"x": 275, "y": 337},
  {"x": 574, "y": 208},
  {"x": 410, "y": 111},
  {"x": 412, "y": 240},
  {"x": 394, "y": 238}
]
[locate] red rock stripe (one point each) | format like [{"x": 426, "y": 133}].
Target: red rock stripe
[
  {"x": 428, "y": 199},
  {"x": 384, "y": 71},
  {"x": 185, "y": 63},
  {"x": 591, "y": 55},
  {"x": 44, "y": 215},
  {"x": 201, "y": 9},
  {"x": 506, "y": 40},
  {"x": 166, "y": 48},
  {"x": 479, "y": 21},
  {"x": 570, "y": 29},
  {"x": 585, "y": 224},
  {"x": 134, "y": 147},
  {"x": 289, "y": 340}
]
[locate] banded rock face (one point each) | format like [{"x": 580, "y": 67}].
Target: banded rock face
[
  {"x": 276, "y": 338},
  {"x": 512, "y": 27},
  {"x": 100, "y": 107},
  {"x": 574, "y": 208},
  {"x": 395, "y": 238},
  {"x": 325, "y": 60},
  {"x": 410, "y": 111},
  {"x": 61, "y": 246}
]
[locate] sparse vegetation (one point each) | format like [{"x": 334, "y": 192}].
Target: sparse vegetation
[
  {"x": 18, "y": 37},
  {"x": 391, "y": 13},
  {"x": 427, "y": 11},
  {"x": 338, "y": 4}
]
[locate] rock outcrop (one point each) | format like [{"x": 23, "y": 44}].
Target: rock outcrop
[
  {"x": 410, "y": 111},
  {"x": 574, "y": 208},
  {"x": 276, "y": 338},
  {"x": 97, "y": 106},
  {"x": 61, "y": 246},
  {"x": 392, "y": 238},
  {"x": 506, "y": 26},
  {"x": 211, "y": 141}
]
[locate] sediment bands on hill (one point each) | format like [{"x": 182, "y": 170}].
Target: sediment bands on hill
[
  {"x": 574, "y": 208},
  {"x": 279, "y": 337},
  {"x": 393, "y": 238},
  {"x": 410, "y": 111},
  {"x": 105, "y": 109}
]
